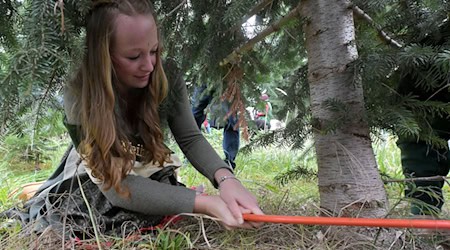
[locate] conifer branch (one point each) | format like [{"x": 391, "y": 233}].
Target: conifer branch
[
  {"x": 386, "y": 38},
  {"x": 174, "y": 9},
  {"x": 40, "y": 104},
  {"x": 430, "y": 178},
  {"x": 437, "y": 91},
  {"x": 235, "y": 56},
  {"x": 260, "y": 6}
]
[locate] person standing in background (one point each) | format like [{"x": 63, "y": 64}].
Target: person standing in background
[
  {"x": 230, "y": 143},
  {"x": 419, "y": 158}
]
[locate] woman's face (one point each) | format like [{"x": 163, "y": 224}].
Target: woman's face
[{"x": 134, "y": 50}]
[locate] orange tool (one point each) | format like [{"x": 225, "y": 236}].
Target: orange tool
[{"x": 343, "y": 221}]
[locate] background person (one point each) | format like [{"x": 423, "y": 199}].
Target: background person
[
  {"x": 230, "y": 143},
  {"x": 419, "y": 158},
  {"x": 264, "y": 113}
]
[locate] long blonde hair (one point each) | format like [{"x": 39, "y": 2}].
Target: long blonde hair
[{"x": 104, "y": 143}]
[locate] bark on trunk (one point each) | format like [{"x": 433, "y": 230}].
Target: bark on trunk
[{"x": 349, "y": 181}]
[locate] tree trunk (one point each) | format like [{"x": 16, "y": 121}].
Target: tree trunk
[{"x": 349, "y": 181}]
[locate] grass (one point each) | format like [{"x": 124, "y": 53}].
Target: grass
[
  {"x": 257, "y": 172},
  {"x": 15, "y": 173}
]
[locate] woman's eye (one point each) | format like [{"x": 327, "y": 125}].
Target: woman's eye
[
  {"x": 153, "y": 52},
  {"x": 133, "y": 57}
]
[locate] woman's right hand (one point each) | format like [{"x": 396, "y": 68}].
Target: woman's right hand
[{"x": 214, "y": 206}]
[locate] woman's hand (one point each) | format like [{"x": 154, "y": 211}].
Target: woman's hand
[
  {"x": 237, "y": 198},
  {"x": 214, "y": 206},
  {"x": 233, "y": 201}
]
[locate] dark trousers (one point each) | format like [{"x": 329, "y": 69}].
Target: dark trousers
[
  {"x": 230, "y": 143},
  {"x": 420, "y": 160}
]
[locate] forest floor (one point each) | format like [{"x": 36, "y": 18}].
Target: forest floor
[{"x": 261, "y": 172}]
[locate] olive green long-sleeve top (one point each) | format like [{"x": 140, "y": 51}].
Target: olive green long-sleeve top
[{"x": 149, "y": 196}]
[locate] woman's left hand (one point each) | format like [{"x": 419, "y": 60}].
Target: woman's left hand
[{"x": 238, "y": 199}]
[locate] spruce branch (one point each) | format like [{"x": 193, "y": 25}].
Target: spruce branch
[
  {"x": 235, "y": 56},
  {"x": 173, "y": 11},
  {"x": 386, "y": 38},
  {"x": 430, "y": 178},
  {"x": 437, "y": 91},
  {"x": 39, "y": 106},
  {"x": 260, "y": 6}
]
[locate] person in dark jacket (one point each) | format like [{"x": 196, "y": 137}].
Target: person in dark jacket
[
  {"x": 230, "y": 142},
  {"x": 419, "y": 158}
]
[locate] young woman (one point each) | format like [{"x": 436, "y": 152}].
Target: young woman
[{"x": 117, "y": 108}]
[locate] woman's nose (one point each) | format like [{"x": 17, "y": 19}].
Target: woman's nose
[{"x": 147, "y": 64}]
